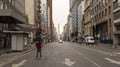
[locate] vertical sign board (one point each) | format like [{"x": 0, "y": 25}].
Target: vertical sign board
[
  {"x": 20, "y": 42},
  {"x": 14, "y": 44}
]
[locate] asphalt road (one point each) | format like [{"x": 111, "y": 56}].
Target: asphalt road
[{"x": 68, "y": 54}]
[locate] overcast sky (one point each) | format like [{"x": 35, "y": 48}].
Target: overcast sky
[{"x": 60, "y": 13}]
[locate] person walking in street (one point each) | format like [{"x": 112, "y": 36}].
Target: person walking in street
[{"x": 39, "y": 49}]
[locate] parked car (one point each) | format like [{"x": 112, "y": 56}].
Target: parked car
[{"x": 89, "y": 40}]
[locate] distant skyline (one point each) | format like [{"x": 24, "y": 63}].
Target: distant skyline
[{"x": 60, "y": 13}]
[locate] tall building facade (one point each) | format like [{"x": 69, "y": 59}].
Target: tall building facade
[
  {"x": 50, "y": 23},
  {"x": 65, "y": 32},
  {"x": 37, "y": 13},
  {"x": 87, "y": 16},
  {"x": 102, "y": 20},
  {"x": 12, "y": 18},
  {"x": 116, "y": 21},
  {"x": 81, "y": 9},
  {"x": 37, "y": 18},
  {"x": 69, "y": 26},
  {"x": 44, "y": 13},
  {"x": 73, "y": 9},
  {"x": 74, "y": 19},
  {"x": 29, "y": 9},
  {"x": 44, "y": 19}
]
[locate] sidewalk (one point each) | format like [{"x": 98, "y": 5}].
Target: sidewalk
[
  {"x": 8, "y": 57},
  {"x": 5, "y": 50},
  {"x": 8, "y": 50},
  {"x": 106, "y": 46},
  {"x": 110, "y": 46}
]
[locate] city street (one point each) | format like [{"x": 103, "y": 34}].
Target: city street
[
  {"x": 68, "y": 54},
  {"x": 87, "y": 31}
]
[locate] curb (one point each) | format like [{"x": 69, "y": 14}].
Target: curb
[
  {"x": 6, "y": 52},
  {"x": 15, "y": 57}
]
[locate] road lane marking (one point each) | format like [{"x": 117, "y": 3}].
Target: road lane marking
[
  {"x": 87, "y": 58},
  {"x": 68, "y": 62},
  {"x": 14, "y": 58},
  {"x": 113, "y": 61},
  {"x": 117, "y": 53},
  {"x": 106, "y": 53},
  {"x": 19, "y": 64},
  {"x": 103, "y": 52}
]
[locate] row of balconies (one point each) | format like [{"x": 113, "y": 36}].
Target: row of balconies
[
  {"x": 13, "y": 13},
  {"x": 116, "y": 11}
]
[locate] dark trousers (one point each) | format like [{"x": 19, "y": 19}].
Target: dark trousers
[{"x": 39, "y": 53}]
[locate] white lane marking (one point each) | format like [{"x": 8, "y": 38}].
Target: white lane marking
[
  {"x": 19, "y": 64},
  {"x": 106, "y": 53},
  {"x": 117, "y": 53},
  {"x": 113, "y": 61},
  {"x": 68, "y": 62},
  {"x": 103, "y": 52},
  {"x": 87, "y": 58}
]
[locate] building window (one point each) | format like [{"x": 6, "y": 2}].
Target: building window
[
  {"x": 103, "y": 2},
  {"x": 109, "y": 9},
  {"x": 1, "y": 26},
  {"x": 10, "y": 1},
  {"x": 102, "y": 13},
  {"x": 106, "y": 11},
  {"x": 110, "y": 22},
  {"x": 13, "y": 2},
  {"x": 99, "y": 15},
  {"x": 1, "y": 4},
  {"x": 97, "y": 8}
]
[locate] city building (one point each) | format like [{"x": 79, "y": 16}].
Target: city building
[
  {"x": 70, "y": 3},
  {"x": 37, "y": 18},
  {"x": 81, "y": 9},
  {"x": 74, "y": 20},
  {"x": 87, "y": 15},
  {"x": 37, "y": 13},
  {"x": 43, "y": 27},
  {"x": 70, "y": 20},
  {"x": 69, "y": 26},
  {"x": 55, "y": 35},
  {"x": 13, "y": 20},
  {"x": 58, "y": 31},
  {"x": 49, "y": 29},
  {"x": 66, "y": 32},
  {"x": 73, "y": 9},
  {"x": 102, "y": 20},
  {"x": 50, "y": 20},
  {"x": 44, "y": 19},
  {"x": 116, "y": 22},
  {"x": 29, "y": 9}
]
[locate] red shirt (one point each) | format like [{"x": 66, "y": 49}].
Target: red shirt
[{"x": 38, "y": 44}]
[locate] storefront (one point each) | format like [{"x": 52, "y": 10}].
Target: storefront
[
  {"x": 16, "y": 40},
  {"x": 5, "y": 40}
]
